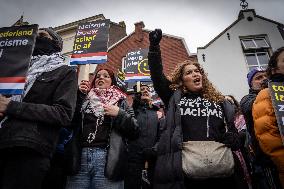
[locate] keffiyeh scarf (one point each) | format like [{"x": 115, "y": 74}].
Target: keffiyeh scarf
[
  {"x": 39, "y": 65},
  {"x": 95, "y": 101}
]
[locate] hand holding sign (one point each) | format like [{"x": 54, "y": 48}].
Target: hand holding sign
[
  {"x": 3, "y": 104},
  {"x": 84, "y": 86}
]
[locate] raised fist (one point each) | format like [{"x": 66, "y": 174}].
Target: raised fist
[{"x": 155, "y": 37}]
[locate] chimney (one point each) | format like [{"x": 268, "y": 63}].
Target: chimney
[{"x": 138, "y": 30}]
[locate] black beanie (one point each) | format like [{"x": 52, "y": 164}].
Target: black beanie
[{"x": 57, "y": 38}]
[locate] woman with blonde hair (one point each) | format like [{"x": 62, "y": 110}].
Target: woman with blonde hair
[{"x": 196, "y": 112}]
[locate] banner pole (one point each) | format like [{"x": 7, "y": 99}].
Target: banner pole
[
  {"x": 138, "y": 86},
  {"x": 84, "y": 72}
]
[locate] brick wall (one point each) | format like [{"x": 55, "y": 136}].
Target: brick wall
[
  {"x": 173, "y": 50},
  {"x": 116, "y": 32}
]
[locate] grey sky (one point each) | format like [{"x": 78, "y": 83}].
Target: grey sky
[{"x": 198, "y": 21}]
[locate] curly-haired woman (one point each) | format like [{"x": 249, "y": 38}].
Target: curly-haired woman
[{"x": 195, "y": 112}]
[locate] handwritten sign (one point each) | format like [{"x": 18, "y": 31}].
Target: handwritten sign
[{"x": 16, "y": 47}]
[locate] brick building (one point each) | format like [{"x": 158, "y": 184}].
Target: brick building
[{"x": 174, "y": 49}]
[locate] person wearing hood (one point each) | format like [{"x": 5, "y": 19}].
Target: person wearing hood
[
  {"x": 31, "y": 122},
  {"x": 265, "y": 124},
  {"x": 141, "y": 152}
]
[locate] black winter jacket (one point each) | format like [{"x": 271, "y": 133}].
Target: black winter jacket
[
  {"x": 246, "y": 108},
  {"x": 168, "y": 171},
  {"x": 148, "y": 122},
  {"x": 49, "y": 105}
]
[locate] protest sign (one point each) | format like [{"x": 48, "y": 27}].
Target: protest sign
[
  {"x": 91, "y": 43},
  {"x": 277, "y": 95},
  {"x": 136, "y": 66},
  {"x": 16, "y": 47}
]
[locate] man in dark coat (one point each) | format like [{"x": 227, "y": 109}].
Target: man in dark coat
[
  {"x": 141, "y": 154},
  {"x": 256, "y": 78},
  {"x": 30, "y": 128}
]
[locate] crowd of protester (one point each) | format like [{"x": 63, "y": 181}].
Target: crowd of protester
[{"x": 60, "y": 135}]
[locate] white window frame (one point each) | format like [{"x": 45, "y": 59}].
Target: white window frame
[
  {"x": 258, "y": 64},
  {"x": 253, "y": 40}
]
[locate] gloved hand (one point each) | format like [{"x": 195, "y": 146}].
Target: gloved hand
[
  {"x": 231, "y": 140},
  {"x": 155, "y": 37}
]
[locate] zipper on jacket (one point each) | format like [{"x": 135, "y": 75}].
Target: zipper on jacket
[{"x": 208, "y": 126}]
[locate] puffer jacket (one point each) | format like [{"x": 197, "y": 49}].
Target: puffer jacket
[{"x": 267, "y": 132}]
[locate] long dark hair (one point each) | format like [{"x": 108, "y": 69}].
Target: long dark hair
[{"x": 272, "y": 64}]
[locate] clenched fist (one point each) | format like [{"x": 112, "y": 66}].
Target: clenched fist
[{"x": 155, "y": 37}]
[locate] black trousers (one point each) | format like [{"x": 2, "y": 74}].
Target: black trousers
[
  {"x": 133, "y": 177},
  {"x": 22, "y": 168},
  {"x": 55, "y": 177},
  {"x": 221, "y": 183}
]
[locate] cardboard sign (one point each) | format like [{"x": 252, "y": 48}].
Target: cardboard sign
[
  {"x": 136, "y": 66},
  {"x": 16, "y": 47},
  {"x": 91, "y": 43},
  {"x": 277, "y": 95}
]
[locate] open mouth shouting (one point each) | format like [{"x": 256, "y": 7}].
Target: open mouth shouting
[
  {"x": 100, "y": 82},
  {"x": 197, "y": 81}
]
